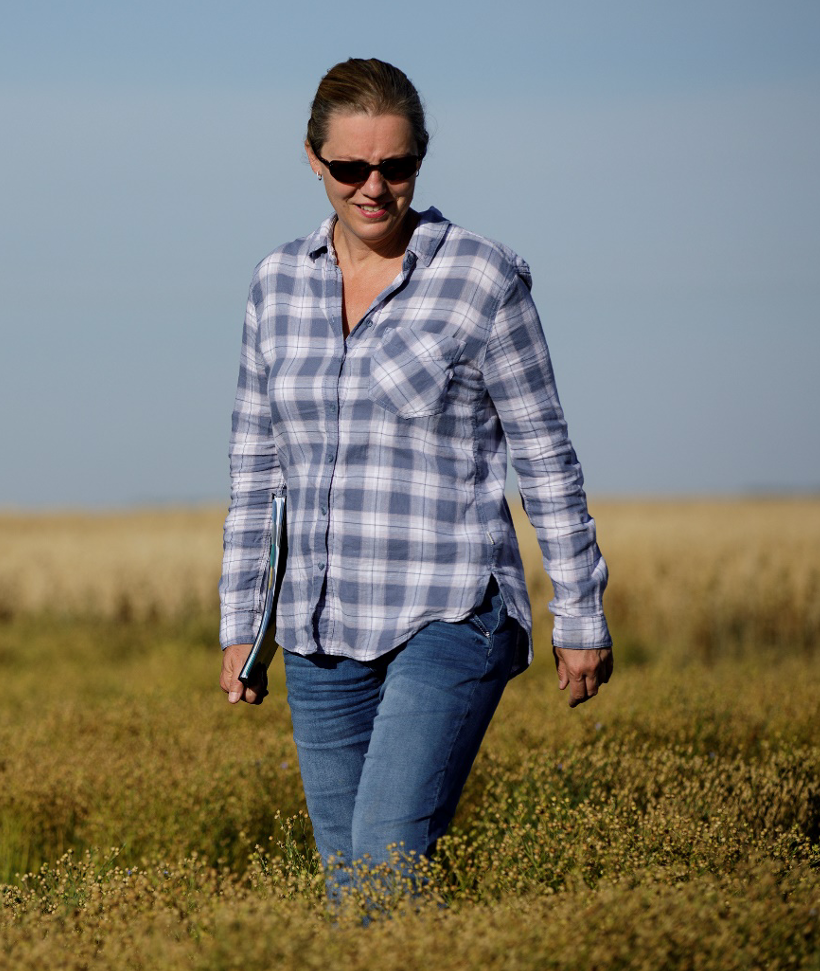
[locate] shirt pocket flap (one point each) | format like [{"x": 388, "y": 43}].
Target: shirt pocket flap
[{"x": 411, "y": 371}]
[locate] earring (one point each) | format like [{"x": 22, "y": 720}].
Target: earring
[{"x": 319, "y": 176}]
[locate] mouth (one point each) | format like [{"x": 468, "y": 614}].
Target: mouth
[{"x": 371, "y": 212}]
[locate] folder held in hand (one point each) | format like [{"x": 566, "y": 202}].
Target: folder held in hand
[{"x": 276, "y": 568}]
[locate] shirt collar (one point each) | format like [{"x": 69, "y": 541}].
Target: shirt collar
[
  {"x": 428, "y": 235},
  {"x": 321, "y": 241},
  {"x": 423, "y": 243}
]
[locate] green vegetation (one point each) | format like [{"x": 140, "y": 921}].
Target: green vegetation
[{"x": 674, "y": 822}]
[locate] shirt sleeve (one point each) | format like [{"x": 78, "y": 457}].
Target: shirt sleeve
[
  {"x": 519, "y": 378},
  {"x": 255, "y": 476}
]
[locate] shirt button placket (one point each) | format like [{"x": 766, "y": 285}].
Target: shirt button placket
[
  {"x": 332, "y": 410},
  {"x": 324, "y": 505}
]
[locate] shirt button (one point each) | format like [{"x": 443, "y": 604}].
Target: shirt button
[
  {"x": 320, "y": 567},
  {"x": 323, "y": 509},
  {"x": 330, "y": 457}
]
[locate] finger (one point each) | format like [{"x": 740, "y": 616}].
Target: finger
[
  {"x": 606, "y": 666},
  {"x": 255, "y": 696},
  {"x": 255, "y": 693},
  {"x": 605, "y": 669},
  {"x": 225, "y": 675},
  {"x": 577, "y": 691},
  {"x": 561, "y": 668}
]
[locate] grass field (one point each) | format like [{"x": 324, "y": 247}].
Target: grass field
[{"x": 673, "y": 822}]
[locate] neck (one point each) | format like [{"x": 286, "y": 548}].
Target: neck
[{"x": 355, "y": 252}]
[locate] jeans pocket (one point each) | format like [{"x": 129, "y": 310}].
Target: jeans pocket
[
  {"x": 489, "y": 617},
  {"x": 477, "y": 622}
]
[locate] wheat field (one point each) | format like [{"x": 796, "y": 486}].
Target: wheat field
[{"x": 672, "y": 822}]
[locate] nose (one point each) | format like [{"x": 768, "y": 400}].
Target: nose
[{"x": 375, "y": 185}]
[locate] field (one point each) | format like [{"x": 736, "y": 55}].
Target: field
[{"x": 673, "y": 822}]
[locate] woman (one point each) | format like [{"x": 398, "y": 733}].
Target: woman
[{"x": 383, "y": 356}]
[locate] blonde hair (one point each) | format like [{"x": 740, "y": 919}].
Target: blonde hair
[{"x": 371, "y": 87}]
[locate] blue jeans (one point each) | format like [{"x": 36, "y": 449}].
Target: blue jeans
[{"x": 386, "y": 746}]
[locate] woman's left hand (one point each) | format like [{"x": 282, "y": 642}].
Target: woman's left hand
[{"x": 584, "y": 671}]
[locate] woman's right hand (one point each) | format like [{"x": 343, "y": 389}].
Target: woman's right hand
[{"x": 233, "y": 659}]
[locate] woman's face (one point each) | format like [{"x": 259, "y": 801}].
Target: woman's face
[{"x": 372, "y": 213}]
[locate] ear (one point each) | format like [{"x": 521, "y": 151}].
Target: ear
[{"x": 315, "y": 164}]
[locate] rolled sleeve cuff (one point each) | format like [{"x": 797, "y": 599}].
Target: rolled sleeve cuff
[
  {"x": 238, "y": 628},
  {"x": 582, "y": 633}
]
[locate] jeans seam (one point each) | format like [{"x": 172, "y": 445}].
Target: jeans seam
[
  {"x": 478, "y": 623},
  {"x": 446, "y": 766},
  {"x": 499, "y": 623}
]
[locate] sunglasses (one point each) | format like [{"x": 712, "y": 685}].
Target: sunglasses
[{"x": 391, "y": 169}]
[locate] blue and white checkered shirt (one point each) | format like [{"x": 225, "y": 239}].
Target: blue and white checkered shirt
[{"x": 390, "y": 446}]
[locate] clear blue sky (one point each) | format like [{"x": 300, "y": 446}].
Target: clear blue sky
[{"x": 655, "y": 162}]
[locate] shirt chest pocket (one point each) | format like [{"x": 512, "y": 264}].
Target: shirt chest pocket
[{"x": 411, "y": 372}]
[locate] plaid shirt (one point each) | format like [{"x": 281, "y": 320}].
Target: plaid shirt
[{"x": 390, "y": 446}]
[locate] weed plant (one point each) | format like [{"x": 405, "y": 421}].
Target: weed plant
[{"x": 672, "y": 822}]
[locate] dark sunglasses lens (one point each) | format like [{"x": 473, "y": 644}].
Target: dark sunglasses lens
[
  {"x": 392, "y": 169},
  {"x": 398, "y": 169},
  {"x": 349, "y": 173}
]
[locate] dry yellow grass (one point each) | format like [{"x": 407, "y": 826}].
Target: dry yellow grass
[
  {"x": 707, "y": 576},
  {"x": 140, "y": 564},
  {"x": 677, "y": 817}
]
